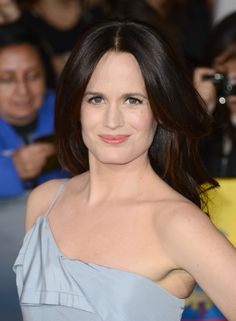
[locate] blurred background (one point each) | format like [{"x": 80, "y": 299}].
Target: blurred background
[{"x": 36, "y": 38}]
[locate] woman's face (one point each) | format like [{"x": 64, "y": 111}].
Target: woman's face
[
  {"x": 228, "y": 66},
  {"x": 117, "y": 121},
  {"x": 22, "y": 84}
]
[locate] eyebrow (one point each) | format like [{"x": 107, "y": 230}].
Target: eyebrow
[
  {"x": 13, "y": 71},
  {"x": 124, "y": 95},
  {"x": 31, "y": 67}
]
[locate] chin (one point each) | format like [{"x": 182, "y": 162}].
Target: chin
[
  {"x": 116, "y": 158},
  {"x": 22, "y": 119}
]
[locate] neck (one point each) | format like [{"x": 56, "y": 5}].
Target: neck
[{"x": 119, "y": 182}]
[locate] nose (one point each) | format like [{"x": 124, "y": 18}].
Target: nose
[
  {"x": 113, "y": 117},
  {"x": 22, "y": 87}
]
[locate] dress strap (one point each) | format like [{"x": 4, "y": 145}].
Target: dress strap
[{"x": 58, "y": 193}]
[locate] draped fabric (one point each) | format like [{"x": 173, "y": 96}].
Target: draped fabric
[{"x": 52, "y": 285}]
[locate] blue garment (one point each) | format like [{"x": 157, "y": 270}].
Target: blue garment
[
  {"x": 54, "y": 287},
  {"x": 10, "y": 183}
]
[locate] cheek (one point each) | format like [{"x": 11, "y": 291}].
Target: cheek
[
  {"x": 39, "y": 87},
  {"x": 90, "y": 119},
  {"x": 6, "y": 98},
  {"x": 37, "y": 94},
  {"x": 143, "y": 121}
]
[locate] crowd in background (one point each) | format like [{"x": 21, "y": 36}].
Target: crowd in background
[
  {"x": 36, "y": 38},
  {"x": 59, "y": 23},
  {"x": 42, "y": 33},
  {"x": 56, "y": 25}
]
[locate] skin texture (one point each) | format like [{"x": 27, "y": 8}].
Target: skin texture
[
  {"x": 9, "y": 11},
  {"x": 108, "y": 108},
  {"x": 120, "y": 214},
  {"x": 22, "y": 89}
]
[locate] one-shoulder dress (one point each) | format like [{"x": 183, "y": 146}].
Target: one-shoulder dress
[{"x": 54, "y": 287}]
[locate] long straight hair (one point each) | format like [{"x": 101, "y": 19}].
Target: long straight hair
[{"x": 181, "y": 119}]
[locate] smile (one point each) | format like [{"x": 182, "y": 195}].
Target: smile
[{"x": 114, "y": 139}]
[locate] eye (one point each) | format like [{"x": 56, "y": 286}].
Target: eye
[
  {"x": 133, "y": 101},
  {"x": 7, "y": 80},
  {"x": 96, "y": 100},
  {"x": 33, "y": 76}
]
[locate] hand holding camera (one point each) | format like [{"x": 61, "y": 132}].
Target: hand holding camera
[
  {"x": 225, "y": 85},
  {"x": 214, "y": 86}
]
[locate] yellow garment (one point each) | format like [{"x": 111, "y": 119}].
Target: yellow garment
[{"x": 222, "y": 207}]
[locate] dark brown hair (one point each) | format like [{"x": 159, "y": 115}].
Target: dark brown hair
[{"x": 175, "y": 105}]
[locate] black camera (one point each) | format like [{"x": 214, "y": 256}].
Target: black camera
[{"x": 223, "y": 85}]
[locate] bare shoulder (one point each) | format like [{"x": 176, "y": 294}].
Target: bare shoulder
[
  {"x": 176, "y": 213},
  {"x": 183, "y": 214},
  {"x": 189, "y": 237},
  {"x": 194, "y": 244},
  {"x": 39, "y": 200},
  {"x": 183, "y": 230},
  {"x": 182, "y": 218}
]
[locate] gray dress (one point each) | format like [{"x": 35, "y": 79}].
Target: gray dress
[{"x": 54, "y": 287}]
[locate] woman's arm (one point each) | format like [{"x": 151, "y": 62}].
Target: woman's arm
[{"x": 195, "y": 245}]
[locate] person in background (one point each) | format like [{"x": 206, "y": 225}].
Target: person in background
[
  {"x": 27, "y": 156},
  {"x": 58, "y": 22},
  {"x": 216, "y": 83}
]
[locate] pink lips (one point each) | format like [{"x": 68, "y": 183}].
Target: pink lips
[{"x": 114, "y": 139}]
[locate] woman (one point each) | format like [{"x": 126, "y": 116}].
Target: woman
[
  {"x": 123, "y": 239},
  {"x": 26, "y": 115}
]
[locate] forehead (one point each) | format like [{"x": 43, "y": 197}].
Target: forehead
[
  {"x": 119, "y": 71},
  {"x": 20, "y": 56}
]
